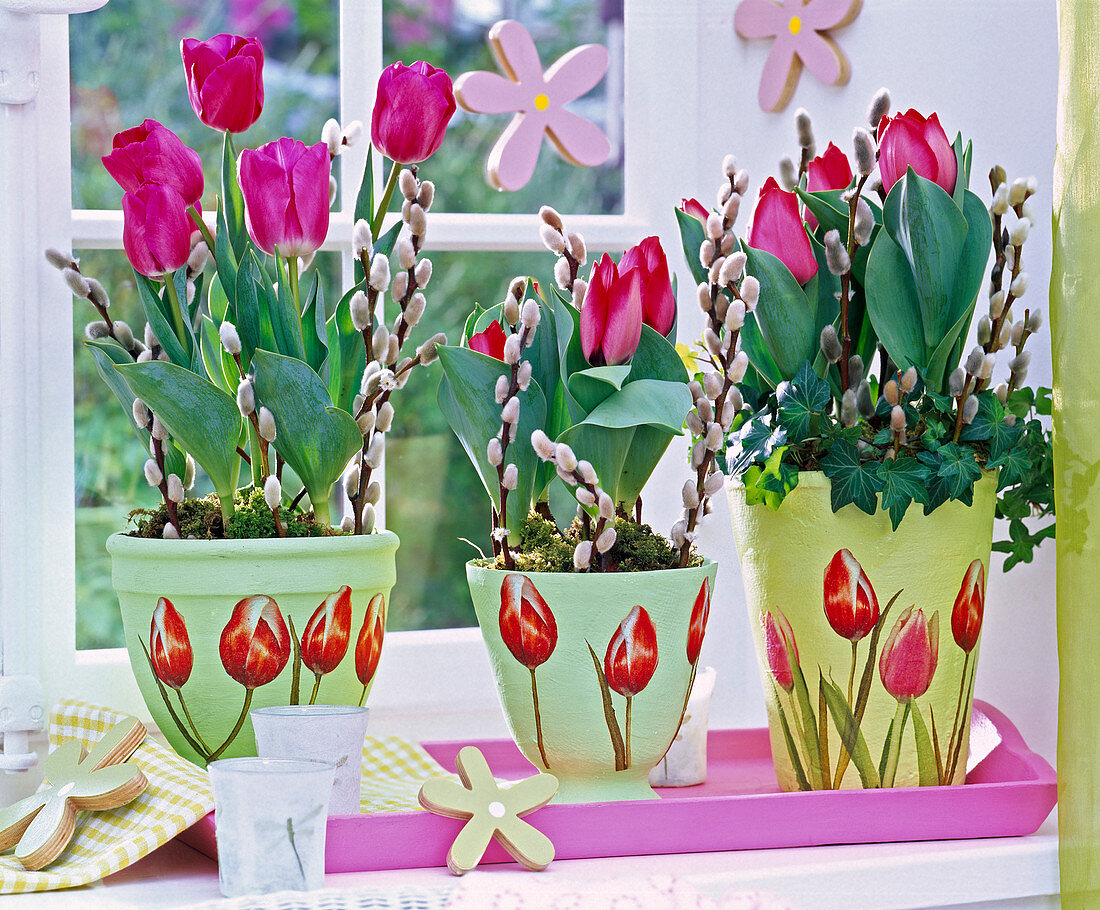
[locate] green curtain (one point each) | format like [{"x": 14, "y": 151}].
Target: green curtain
[{"x": 1075, "y": 333}]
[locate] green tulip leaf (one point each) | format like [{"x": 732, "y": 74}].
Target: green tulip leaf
[
  {"x": 353, "y": 353},
  {"x": 314, "y": 333},
  {"x": 232, "y": 200},
  {"x": 160, "y": 320},
  {"x": 220, "y": 366},
  {"x": 224, "y": 258},
  {"x": 334, "y": 362},
  {"x": 286, "y": 322},
  {"x": 691, "y": 238},
  {"x": 591, "y": 386},
  {"x": 252, "y": 310},
  {"x": 466, "y": 401},
  {"x": 316, "y": 439},
  {"x": 752, "y": 343},
  {"x": 202, "y": 417},
  {"x": 892, "y": 304},
  {"x": 792, "y": 749},
  {"x": 108, "y": 353},
  {"x": 929, "y": 774},
  {"x": 570, "y": 353},
  {"x": 656, "y": 358},
  {"x": 785, "y": 317},
  {"x": 850, "y": 735},
  {"x": 217, "y": 302}
]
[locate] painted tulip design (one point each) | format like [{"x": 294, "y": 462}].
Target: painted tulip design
[
  {"x": 171, "y": 660},
  {"x": 829, "y": 171},
  {"x": 631, "y": 660},
  {"x": 326, "y": 636},
  {"x": 368, "y": 647},
  {"x": 700, "y": 612},
  {"x": 156, "y": 231},
  {"x": 850, "y": 604},
  {"x": 966, "y": 627},
  {"x": 612, "y": 314},
  {"x": 225, "y": 80},
  {"x": 906, "y": 667},
  {"x": 911, "y": 140},
  {"x": 776, "y": 227},
  {"x": 530, "y": 633},
  {"x": 780, "y": 648},
  {"x": 152, "y": 153},
  {"x": 286, "y": 196},
  {"x": 412, "y": 108},
  {"x": 489, "y": 341},
  {"x": 658, "y": 301}
]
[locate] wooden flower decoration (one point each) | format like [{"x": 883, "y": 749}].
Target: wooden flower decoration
[
  {"x": 800, "y": 29},
  {"x": 40, "y": 826},
  {"x": 539, "y": 100},
  {"x": 493, "y": 812}
]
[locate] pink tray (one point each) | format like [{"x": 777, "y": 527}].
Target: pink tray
[{"x": 1009, "y": 791}]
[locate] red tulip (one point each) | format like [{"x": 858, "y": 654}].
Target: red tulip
[
  {"x": 779, "y": 647},
  {"x": 830, "y": 171},
  {"x": 286, "y": 196},
  {"x": 698, "y": 627},
  {"x": 850, "y": 602},
  {"x": 412, "y": 108},
  {"x": 225, "y": 80},
  {"x": 255, "y": 643},
  {"x": 658, "y": 301},
  {"x": 776, "y": 227},
  {"x": 526, "y": 623},
  {"x": 156, "y": 231},
  {"x": 908, "y": 660},
  {"x": 169, "y": 646},
  {"x": 966, "y": 617},
  {"x": 696, "y": 209},
  {"x": 910, "y": 141},
  {"x": 152, "y": 153},
  {"x": 368, "y": 647},
  {"x": 631, "y": 657},
  {"x": 489, "y": 341},
  {"x": 611, "y": 315},
  {"x": 325, "y": 639}
]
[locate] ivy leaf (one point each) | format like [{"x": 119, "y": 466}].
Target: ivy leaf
[
  {"x": 957, "y": 468},
  {"x": 853, "y": 481},
  {"x": 991, "y": 413},
  {"x": 755, "y": 442},
  {"x": 1021, "y": 544},
  {"x": 1006, "y": 453},
  {"x": 799, "y": 400},
  {"x": 777, "y": 479},
  {"x": 904, "y": 481}
]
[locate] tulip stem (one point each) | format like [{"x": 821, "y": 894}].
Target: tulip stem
[
  {"x": 629, "y": 705},
  {"x": 292, "y": 270},
  {"x": 852, "y": 675},
  {"x": 384, "y": 203},
  {"x": 316, "y": 686},
  {"x": 895, "y": 735},
  {"x": 296, "y": 669},
  {"x": 538, "y": 720},
  {"x": 237, "y": 727},
  {"x": 191, "y": 722},
  {"x": 203, "y": 229},
  {"x": 177, "y": 313},
  {"x": 363, "y": 697},
  {"x": 956, "y": 730}
]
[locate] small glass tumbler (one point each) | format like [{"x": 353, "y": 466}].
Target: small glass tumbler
[
  {"x": 271, "y": 816},
  {"x": 329, "y": 732},
  {"x": 685, "y": 764}
]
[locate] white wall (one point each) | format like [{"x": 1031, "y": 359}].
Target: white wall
[{"x": 989, "y": 69}]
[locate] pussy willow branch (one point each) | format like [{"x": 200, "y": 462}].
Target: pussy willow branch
[{"x": 846, "y": 282}]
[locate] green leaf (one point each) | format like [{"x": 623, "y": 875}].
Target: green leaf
[
  {"x": 752, "y": 343},
  {"x": 792, "y": 749},
  {"x": 892, "y": 303},
  {"x": 334, "y": 363},
  {"x": 286, "y": 322},
  {"x": 774, "y": 481},
  {"x": 252, "y": 309},
  {"x": 196, "y": 412},
  {"x": 852, "y": 481},
  {"x": 800, "y": 400},
  {"x": 850, "y": 734},
  {"x": 991, "y": 414},
  {"x": 810, "y": 740},
  {"x": 157, "y": 316},
  {"x": 220, "y": 367},
  {"x": 107, "y": 353},
  {"x": 754, "y": 442},
  {"x": 691, "y": 238},
  {"x": 904, "y": 481},
  {"x": 957, "y": 467},
  {"x": 224, "y": 259},
  {"x": 314, "y": 333},
  {"x": 590, "y": 386},
  {"x": 232, "y": 201},
  {"x": 316, "y": 439},
  {"x": 784, "y": 315},
  {"x": 217, "y": 301},
  {"x": 656, "y": 358},
  {"x": 926, "y": 757},
  {"x": 353, "y": 353}
]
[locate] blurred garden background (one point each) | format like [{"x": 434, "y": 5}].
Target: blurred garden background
[{"x": 126, "y": 67}]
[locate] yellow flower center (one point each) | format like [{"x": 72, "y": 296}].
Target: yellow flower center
[
  {"x": 795, "y": 25},
  {"x": 541, "y": 102}
]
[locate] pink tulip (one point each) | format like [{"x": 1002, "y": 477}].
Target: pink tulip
[
  {"x": 696, "y": 209},
  {"x": 412, "y": 108},
  {"x": 152, "y": 153},
  {"x": 286, "y": 196},
  {"x": 910, "y": 141},
  {"x": 225, "y": 80},
  {"x": 658, "y": 301},
  {"x": 908, "y": 660},
  {"x": 780, "y": 648},
  {"x": 830, "y": 171},
  {"x": 611, "y": 315},
  {"x": 777, "y": 228},
  {"x": 156, "y": 231}
]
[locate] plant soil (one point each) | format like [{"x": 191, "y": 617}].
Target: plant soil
[{"x": 201, "y": 519}]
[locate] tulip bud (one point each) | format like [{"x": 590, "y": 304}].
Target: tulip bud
[
  {"x": 1019, "y": 285},
  {"x": 153, "y": 473},
  {"x": 788, "y": 174},
  {"x": 170, "y": 532},
  {"x": 380, "y": 272},
  {"x": 511, "y": 477},
  {"x": 864, "y": 148},
  {"x": 273, "y": 492},
  {"x": 880, "y": 105},
  {"x": 969, "y": 409},
  {"x": 956, "y": 383},
  {"x": 836, "y": 256},
  {"x": 582, "y": 556},
  {"x": 865, "y": 222},
  {"x": 890, "y": 392},
  {"x": 750, "y": 292}
]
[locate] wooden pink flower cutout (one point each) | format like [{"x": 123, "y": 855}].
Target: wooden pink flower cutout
[
  {"x": 539, "y": 100},
  {"x": 799, "y": 28}
]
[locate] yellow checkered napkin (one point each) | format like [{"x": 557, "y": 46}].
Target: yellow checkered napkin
[
  {"x": 178, "y": 795},
  {"x": 393, "y": 770}
]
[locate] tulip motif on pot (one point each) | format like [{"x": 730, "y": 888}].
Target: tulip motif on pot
[
  {"x": 911, "y": 140},
  {"x": 966, "y": 628},
  {"x": 326, "y": 636},
  {"x": 906, "y": 667},
  {"x": 225, "y": 80},
  {"x": 538, "y": 99},
  {"x": 529, "y": 631},
  {"x": 368, "y": 647}
]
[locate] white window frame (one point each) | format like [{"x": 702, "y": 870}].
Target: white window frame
[{"x": 37, "y": 559}]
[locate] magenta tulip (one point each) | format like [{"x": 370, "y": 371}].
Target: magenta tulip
[
  {"x": 489, "y": 341},
  {"x": 658, "y": 301},
  {"x": 285, "y": 187},
  {"x": 225, "y": 80},
  {"x": 156, "y": 231},
  {"x": 777, "y": 228},
  {"x": 908, "y": 660},
  {"x": 780, "y": 648},
  {"x": 412, "y": 108},
  {"x": 910, "y": 141},
  {"x": 696, "y": 209},
  {"x": 830, "y": 171},
  {"x": 611, "y": 315},
  {"x": 152, "y": 153}
]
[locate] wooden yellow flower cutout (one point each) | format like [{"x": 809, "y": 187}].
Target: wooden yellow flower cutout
[
  {"x": 493, "y": 812},
  {"x": 41, "y": 825}
]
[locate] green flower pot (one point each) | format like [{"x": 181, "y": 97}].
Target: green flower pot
[
  {"x": 839, "y": 600},
  {"x": 594, "y": 669},
  {"x": 231, "y": 606}
]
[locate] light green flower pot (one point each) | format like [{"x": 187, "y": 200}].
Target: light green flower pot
[
  {"x": 576, "y": 726},
  {"x": 784, "y": 557},
  {"x": 205, "y": 580}
]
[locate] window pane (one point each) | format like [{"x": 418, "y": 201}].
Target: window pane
[
  {"x": 451, "y": 34},
  {"x": 126, "y": 67}
]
